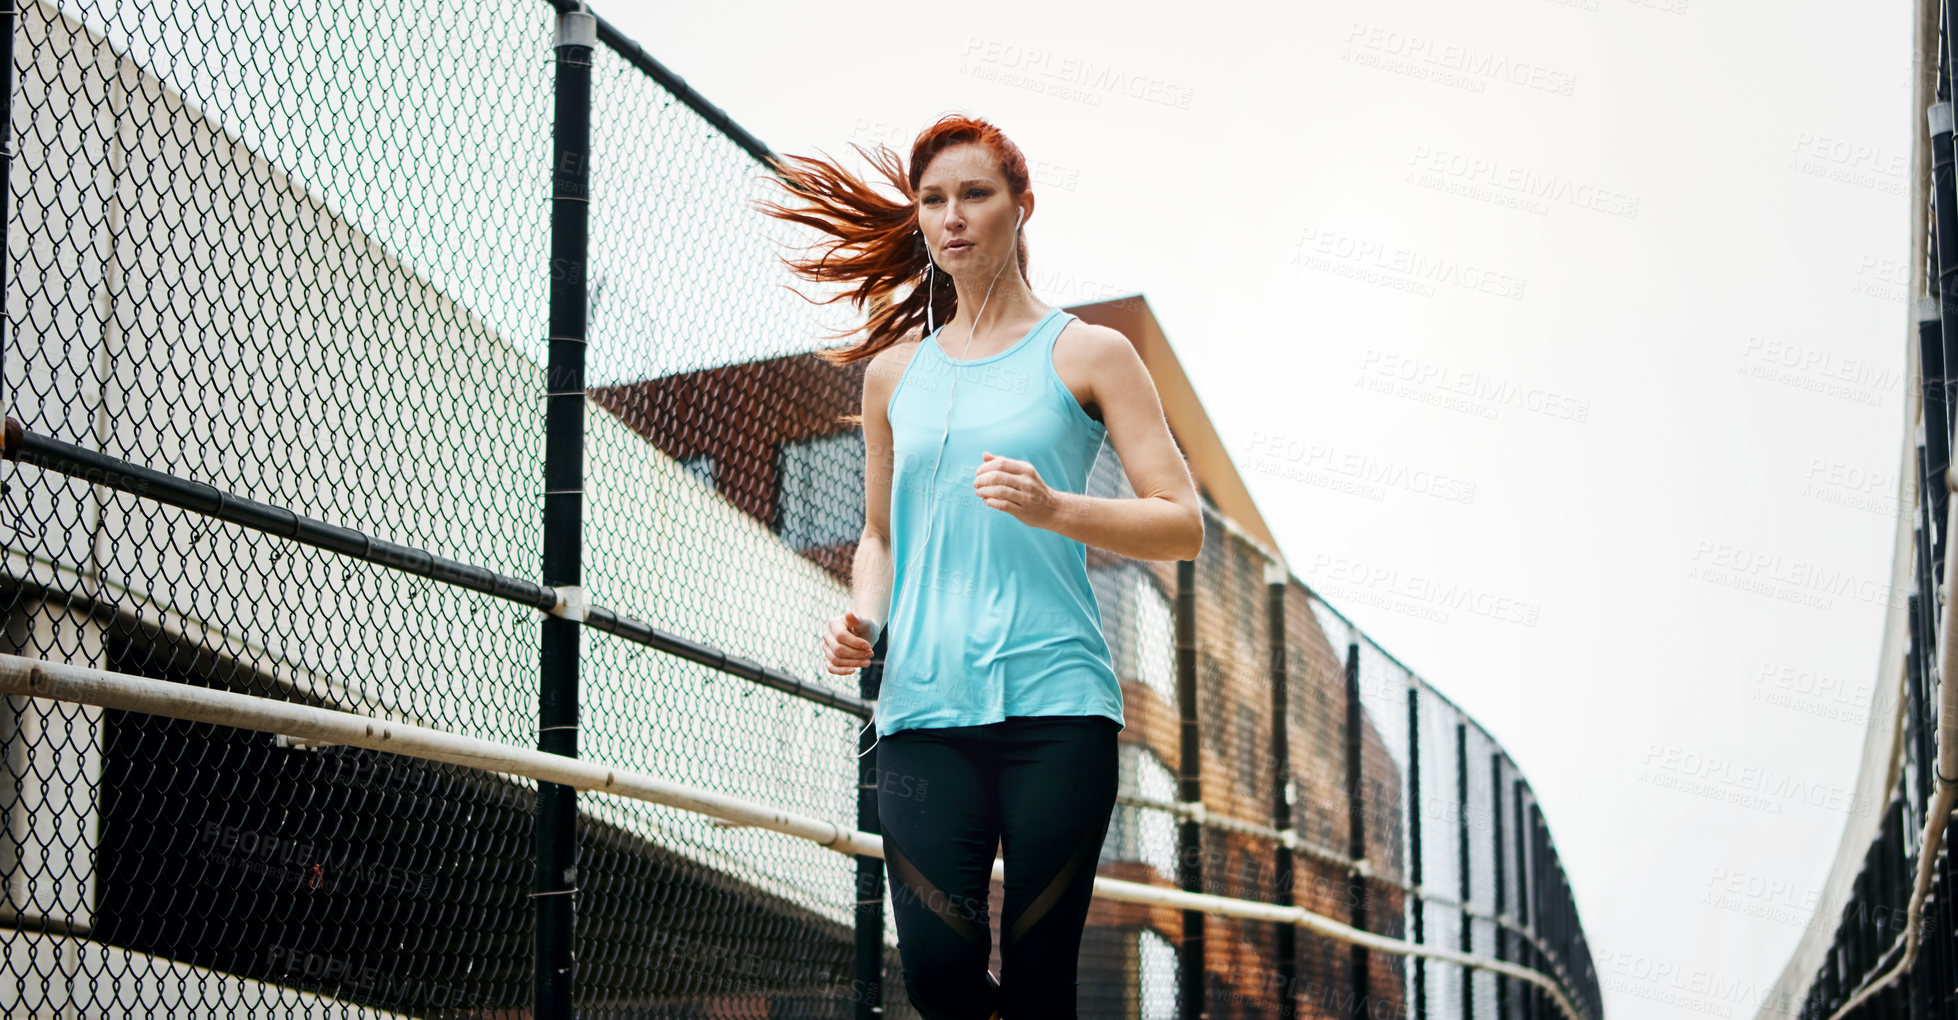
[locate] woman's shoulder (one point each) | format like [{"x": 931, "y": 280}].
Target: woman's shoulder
[
  {"x": 889, "y": 364},
  {"x": 1089, "y": 337},
  {"x": 886, "y": 368},
  {"x": 1087, "y": 356},
  {"x": 901, "y": 352}
]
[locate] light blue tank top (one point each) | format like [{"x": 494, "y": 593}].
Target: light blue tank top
[{"x": 990, "y": 617}]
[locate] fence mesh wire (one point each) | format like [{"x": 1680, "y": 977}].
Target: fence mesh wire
[{"x": 302, "y": 257}]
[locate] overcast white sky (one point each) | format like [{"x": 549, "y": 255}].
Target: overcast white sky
[{"x": 1611, "y": 291}]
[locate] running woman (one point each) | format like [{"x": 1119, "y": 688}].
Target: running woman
[{"x": 983, "y": 411}]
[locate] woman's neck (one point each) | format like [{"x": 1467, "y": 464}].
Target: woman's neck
[{"x": 1007, "y": 306}]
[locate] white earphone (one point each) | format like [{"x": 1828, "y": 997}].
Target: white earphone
[{"x": 931, "y": 490}]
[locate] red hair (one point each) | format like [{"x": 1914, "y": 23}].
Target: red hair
[{"x": 877, "y": 241}]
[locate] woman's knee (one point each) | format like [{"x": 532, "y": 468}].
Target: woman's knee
[{"x": 949, "y": 986}]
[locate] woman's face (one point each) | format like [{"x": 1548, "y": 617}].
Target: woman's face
[{"x": 966, "y": 212}]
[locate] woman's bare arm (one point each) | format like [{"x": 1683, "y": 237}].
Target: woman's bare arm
[
  {"x": 871, "y": 574},
  {"x": 1164, "y": 521}
]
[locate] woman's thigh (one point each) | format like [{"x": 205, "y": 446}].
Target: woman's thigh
[
  {"x": 1057, "y": 786},
  {"x": 937, "y": 807}
]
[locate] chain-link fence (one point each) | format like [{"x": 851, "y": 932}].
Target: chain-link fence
[
  {"x": 340, "y": 344},
  {"x": 1882, "y": 940}
]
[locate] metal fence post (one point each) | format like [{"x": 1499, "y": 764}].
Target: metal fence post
[
  {"x": 1189, "y": 840},
  {"x": 1414, "y": 847},
  {"x": 1541, "y": 876},
  {"x": 1943, "y": 282},
  {"x": 1944, "y": 288},
  {"x": 7, "y": 195},
  {"x": 1356, "y": 842},
  {"x": 1462, "y": 856},
  {"x": 868, "y": 989},
  {"x": 1502, "y": 937},
  {"x": 564, "y": 482},
  {"x": 1936, "y": 392},
  {"x": 1285, "y": 941},
  {"x": 1923, "y": 604},
  {"x": 1524, "y": 899}
]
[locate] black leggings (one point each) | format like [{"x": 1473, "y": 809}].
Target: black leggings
[{"x": 946, "y": 797}]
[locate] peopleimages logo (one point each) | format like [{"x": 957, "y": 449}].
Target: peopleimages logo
[
  {"x": 1862, "y": 380},
  {"x": 1513, "y": 186},
  {"x": 1800, "y": 690},
  {"x": 1885, "y": 279},
  {"x": 1427, "y": 596},
  {"x": 1780, "y": 902},
  {"x": 1797, "y": 581},
  {"x": 1746, "y": 785},
  {"x": 1852, "y": 487},
  {"x": 1044, "y": 71},
  {"x": 1670, "y": 982},
  {"x": 1476, "y": 393},
  {"x": 1383, "y": 264},
  {"x": 1351, "y": 471},
  {"x": 1847, "y": 162},
  {"x": 1414, "y": 50}
]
